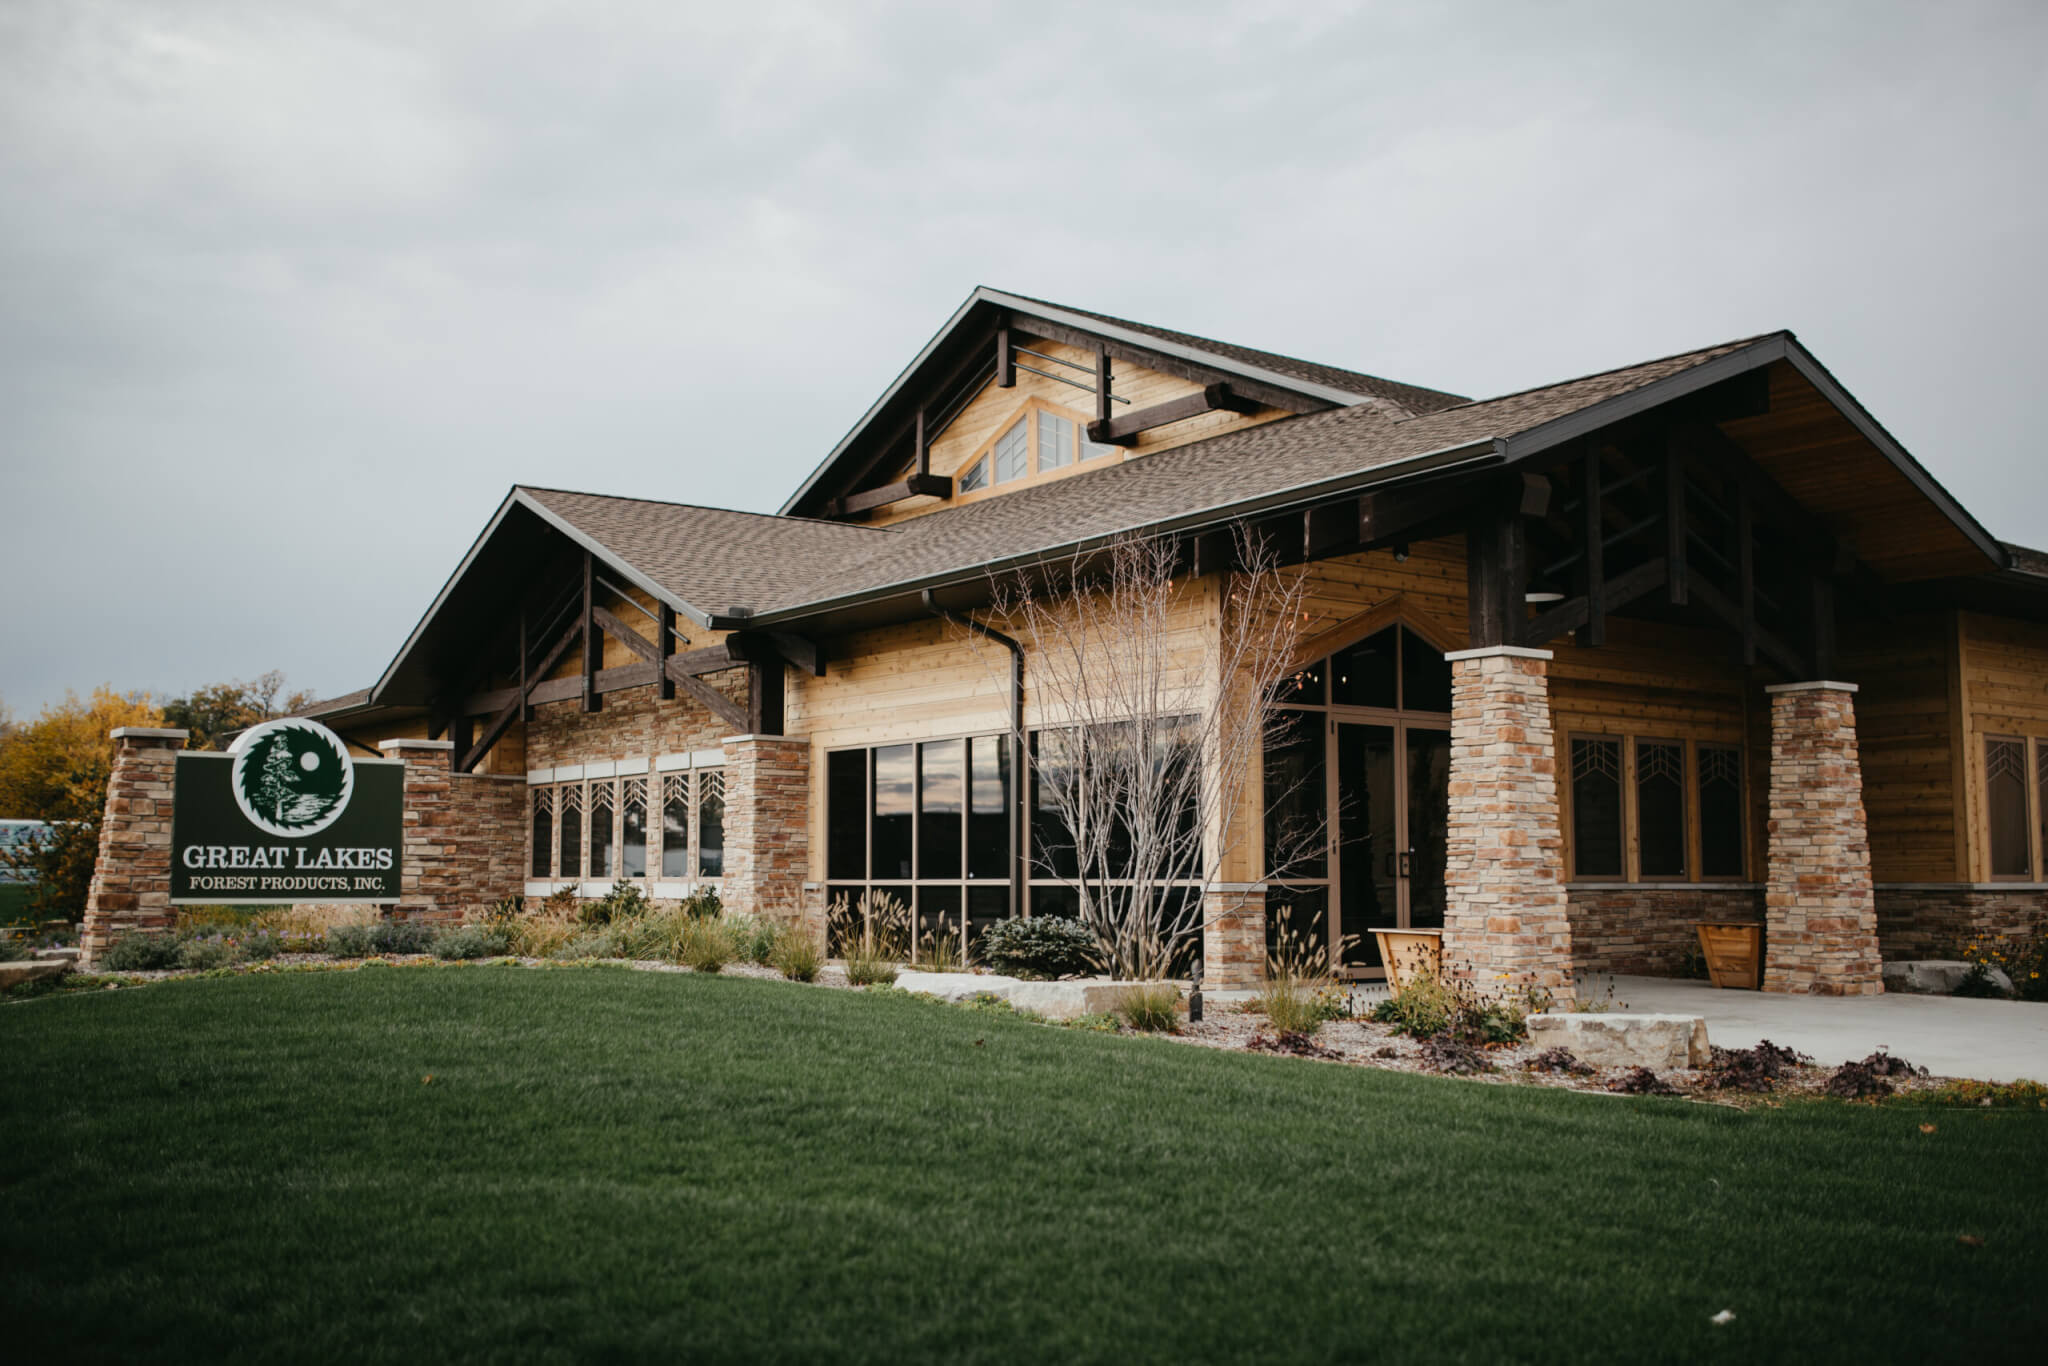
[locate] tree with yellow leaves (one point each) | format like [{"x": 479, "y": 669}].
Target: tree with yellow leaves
[{"x": 55, "y": 768}]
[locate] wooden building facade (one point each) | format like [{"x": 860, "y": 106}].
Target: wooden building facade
[{"x": 1581, "y": 666}]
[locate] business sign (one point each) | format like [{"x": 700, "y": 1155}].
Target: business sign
[{"x": 285, "y": 815}]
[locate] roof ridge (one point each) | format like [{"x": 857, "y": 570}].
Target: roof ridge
[
  {"x": 697, "y": 507},
  {"x": 1610, "y": 370}
]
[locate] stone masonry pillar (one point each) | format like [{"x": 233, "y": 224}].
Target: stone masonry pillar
[
  {"x": 131, "y": 878},
  {"x": 428, "y": 833},
  {"x": 1233, "y": 936},
  {"x": 1505, "y": 925},
  {"x": 767, "y": 824},
  {"x": 1820, "y": 928}
]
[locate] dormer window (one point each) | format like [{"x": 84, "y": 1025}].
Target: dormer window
[
  {"x": 1055, "y": 441},
  {"x": 1039, "y": 441},
  {"x": 1011, "y": 449}
]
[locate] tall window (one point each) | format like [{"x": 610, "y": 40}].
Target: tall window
[
  {"x": 2008, "y": 819},
  {"x": 543, "y": 832},
  {"x": 1596, "y": 807},
  {"x": 675, "y": 826},
  {"x": 1012, "y": 447},
  {"x": 711, "y": 823},
  {"x": 1721, "y": 811},
  {"x": 1660, "y": 808},
  {"x": 603, "y": 799},
  {"x": 929, "y": 825},
  {"x": 633, "y": 828},
  {"x": 569, "y": 810}
]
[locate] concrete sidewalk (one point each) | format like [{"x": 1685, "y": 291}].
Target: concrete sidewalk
[{"x": 1987, "y": 1040}]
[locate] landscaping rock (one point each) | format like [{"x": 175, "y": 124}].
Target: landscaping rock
[
  {"x": 65, "y": 954},
  {"x": 1658, "y": 1042},
  {"x": 1936, "y": 976},
  {"x": 14, "y": 974},
  {"x": 1070, "y": 1000},
  {"x": 957, "y": 986}
]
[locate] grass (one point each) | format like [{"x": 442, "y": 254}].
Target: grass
[{"x": 608, "y": 1165}]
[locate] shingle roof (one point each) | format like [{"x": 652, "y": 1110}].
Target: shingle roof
[
  {"x": 713, "y": 559},
  {"x": 1411, "y": 398}
]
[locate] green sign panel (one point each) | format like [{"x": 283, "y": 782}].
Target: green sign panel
[{"x": 286, "y": 816}]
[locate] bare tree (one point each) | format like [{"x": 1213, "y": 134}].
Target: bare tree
[{"x": 1154, "y": 699}]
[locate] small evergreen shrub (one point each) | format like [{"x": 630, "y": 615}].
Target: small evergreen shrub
[
  {"x": 468, "y": 942},
  {"x": 207, "y": 951},
  {"x": 1042, "y": 946},
  {"x": 625, "y": 901},
  {"x": 401, "y": 936},
  {"x": 703, "y": 905},
  {"x": 141, "y": 953},
  {"x": 349, "y": 941}
]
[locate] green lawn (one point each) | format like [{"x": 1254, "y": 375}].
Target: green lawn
[{"x": 610, "y": 1165}]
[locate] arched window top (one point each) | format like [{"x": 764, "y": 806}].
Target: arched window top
[{"x": 1393, "y": 669}]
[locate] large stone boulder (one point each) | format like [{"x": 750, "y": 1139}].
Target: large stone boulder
[
  {"x": 14, "y": 974},
  {"x": 1658, "y": 1042},
  {"x": 1053, "y": 1000},
  {"x": 1936, "y": 976},
  {"x": 957, "y": 986}
]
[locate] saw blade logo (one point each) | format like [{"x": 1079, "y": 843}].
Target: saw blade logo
[{"x": 291, "y": 777}]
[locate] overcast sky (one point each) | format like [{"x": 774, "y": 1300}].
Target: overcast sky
[{"x": 291, "y": 293}]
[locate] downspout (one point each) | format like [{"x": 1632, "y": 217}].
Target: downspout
[{"x": 1016, "y": 733}]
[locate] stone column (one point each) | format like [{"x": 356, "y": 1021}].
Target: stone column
[
  {"x": 428, "y": 834},
  {"x": 1820, "y": 913},
  {"x": 1505, "y": 923},
  {"x": 767, "y": 824},
  {"x": 131, "y": 878},
  {"x": 1233, "y": 936}
]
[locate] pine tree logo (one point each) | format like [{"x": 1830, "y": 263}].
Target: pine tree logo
[{"x": 291, "y": 777}]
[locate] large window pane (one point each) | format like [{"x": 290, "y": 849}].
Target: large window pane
[
  {"x": 711, "y": 823},
  {"x": 1055, "y": 441},
  {"x": 1055, "y": 767},
  {"x": 988, "y": 810},
  {"x": 1297, "y": 839},
  {"x": 846, "y": 814},
  {"x": 895, "y": 792},
  {"x": 633, "y": 829},
  {"x": 1425, "y": 675},
  {"x": 1298, "y": 926},
  {"x": 2005, "y": 786},
  {"x": 1010, "y": 452},
  {"x": 602, "y": 797},
  {"x": 938, "y": 919},
  {"x": 1305, "y": 686},
  {"x": 942, "y": 806},
  {"x": 1721, "y": 816},
  {"x": 1660, "y": 807},
  {"x": 1596, "y": 806},
  {"x": 675, "y": 825},
  {"x": 986, "y": 906},
  {"x": 543, "y": 831},
  {"x": 570, "y": 800},
  {"x": 1363, "y": 675},
  {"x": 1052, "y": 898}
]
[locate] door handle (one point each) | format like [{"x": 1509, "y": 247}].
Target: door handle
[{"x": 1406, "y": 855}]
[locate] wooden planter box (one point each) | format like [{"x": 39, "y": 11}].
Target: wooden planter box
[
  {"x": 1734, "y": 951},
  {"x": 1406, "y": 951}
]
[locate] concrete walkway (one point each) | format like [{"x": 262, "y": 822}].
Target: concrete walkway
[{"x": 1949, "y": 1036}]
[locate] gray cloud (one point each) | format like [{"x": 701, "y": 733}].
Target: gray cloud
[{"x": 289, "y": 295}]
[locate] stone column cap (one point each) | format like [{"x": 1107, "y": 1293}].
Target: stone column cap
[
  {"x": 1817, "y": 685},
  {"x": 416, "y": 744},
  {"x": 747, "y": 739},
  {"x": 1497, "y": 652},
  {"x": 148, "y": 733}
]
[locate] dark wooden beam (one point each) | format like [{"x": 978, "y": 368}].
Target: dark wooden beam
[
  {"x": 1617, "y": 592},
  {"x": 666, "y": 629},
  {"x": 1745, "y": 573},
  {"x": 593, "y": 637},
  {"x": 1102, "y": 379},
  {"x": 800, "y": 652},
  {"x": 462, "y": 730},
  {"x": 1006, "y": 360},
  {"x": 1496, "y": 576},
  {"x": 1388, "y": 515},
  {"x": 1594, "y": 531},
  {"x": 1212, "y": 552},
  {"x": 1676, "y": 527},
  {"x": 1329, "y": 529},
  {"x": 1714, "y": 452},
  {"x": 922, "y": 465},
  {"x": 1124, "y": 431},
  {"x": 931, "y": 485},
  {"x": 515, "y": 707},
  {"x": 1717, "y": 602},
  {"x": 764, "y": 698},
  {"x": 1820, "y": 598}
]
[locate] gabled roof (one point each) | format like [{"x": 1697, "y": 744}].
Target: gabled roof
[
  {"x": 964, "y": 333},
  {"x": 714, "y": 566}
]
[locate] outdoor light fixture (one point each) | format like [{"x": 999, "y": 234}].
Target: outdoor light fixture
[
  {"x": 1542, "y": 590},
  {"x": 1401, "y": 552}
]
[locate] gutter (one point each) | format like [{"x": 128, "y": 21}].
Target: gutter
[{"x": 1016, "y": 650}]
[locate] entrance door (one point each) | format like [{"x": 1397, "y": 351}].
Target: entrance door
[{"x": 1393, "y": 806}]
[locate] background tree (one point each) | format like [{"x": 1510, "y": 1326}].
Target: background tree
[
  {"x": 1154, "y": 694},
  {"x": 55, "y": 769},
  {"x": 219, "y": 709}
]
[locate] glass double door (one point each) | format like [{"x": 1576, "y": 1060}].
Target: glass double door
[{"x": 1389, "y": 791}]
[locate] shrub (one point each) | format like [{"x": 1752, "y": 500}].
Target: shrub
[
  {"x": 753, "y": 937},
  {"x": 401, "y": 936},
  {"x": 1295, "y": 1006},
  {"x": 141, "y": 953},
  {"x": 349, "y": 941},
  {"x": 467, "y": 942},
  {"x": 207, "y": 951},
  {"x": 867, "y": 969},
  {"x": 1423, "y": 1007},
  {"x": 599, "y": 941},
  {"x": 703, "y": 905},
  {"x": 1149, "y": 1006},
  {"x": 1042, "y": 946},
  {"x": 872, "y": 936},
  {"x": 797, "y": 954},
  {"x": 262, "y": 945},
  {"x": 705, "y": 944},
  {"x": 541, "y": 930},
  {"x": 1426, "y": 1006},
  {"x": 624, "y": 901},
  {"x": 939, "y": 950}
]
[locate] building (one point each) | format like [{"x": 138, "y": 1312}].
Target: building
[{"x": 1695, "y": 639}]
